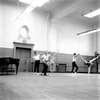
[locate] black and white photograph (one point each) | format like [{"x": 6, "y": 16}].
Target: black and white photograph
[{"x": 49, "y": 49}]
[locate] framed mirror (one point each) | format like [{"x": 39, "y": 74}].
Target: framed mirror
[
  {"x": 24, "y": 31},
  {"x": 24, "y": 34}
]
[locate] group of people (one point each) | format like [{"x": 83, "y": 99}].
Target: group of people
[
  {"x": 48, "y": 60},
  {"x": 89, "y": 63}
]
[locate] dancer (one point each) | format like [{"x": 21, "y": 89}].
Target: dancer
[
  {"x": 74, "y": 63},
  {"x": 45, "y": 58},
  {"x": 36, "y": 58},
  {"x": 52, "y": 63},
  {"x": 89, "y": 63}
]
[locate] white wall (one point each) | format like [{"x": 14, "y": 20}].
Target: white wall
[
  {"x": 0, "y": 26},
  {"x": 36, "y": 21},
  {"x": 68, "y": 41},
  {"x": 45, "y": 34},
  {"x": 52, "y": 37},
  {"x": 98, "y": 42}
]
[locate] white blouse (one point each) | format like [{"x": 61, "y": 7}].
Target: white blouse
[
  {"x": 36, "y": 57},
  {"x": 74, "y": 58}
]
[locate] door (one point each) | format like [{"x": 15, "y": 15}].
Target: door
[{"x": 23, "y": 54}]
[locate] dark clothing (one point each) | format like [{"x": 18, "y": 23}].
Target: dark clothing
[
  {"x": 73, "y": 66},
  {"x": 36, "y": 67},
  {"x": 45, "y": 69},
  {"x": 88, "y": 64}
]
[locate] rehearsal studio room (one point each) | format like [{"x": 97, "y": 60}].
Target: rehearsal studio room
[{"x": 59, "y": 27}]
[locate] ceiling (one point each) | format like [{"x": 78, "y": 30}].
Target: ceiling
[
  {"x": 73, "y": 9},
  {"x": 70, "y": 8}
]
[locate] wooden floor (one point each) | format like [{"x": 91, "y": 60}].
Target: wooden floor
[{"x": 61, "y": 86}]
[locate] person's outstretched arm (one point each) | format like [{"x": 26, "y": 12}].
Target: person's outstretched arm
[
  {"x": 83, "y": 59},
  {"x": 76, "y": 55}
]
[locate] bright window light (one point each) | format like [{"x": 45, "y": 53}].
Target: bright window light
[
  {"x": 93, "y": 13},
  {"x": 28, "y": 10},
  {"x": 33, "y": 4},
  {"x": 38, "y": 3},
  {"x": 89, "y": 32},
  {"x": 26, "y": 1}
]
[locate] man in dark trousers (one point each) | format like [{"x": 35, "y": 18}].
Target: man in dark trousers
[
  {"x": 36, "y": 58},
  {"x": 45, "y": 58},
  {"x": 74, "y": 65}
]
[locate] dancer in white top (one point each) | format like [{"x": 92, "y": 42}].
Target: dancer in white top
[
  {"x": 74, "y": 63},
  {"x": 52, "y": 63},
  {"x": 89, "y": 63},
  {"x": 36, "y": 58},
  {"x": 45, "y": 58}
]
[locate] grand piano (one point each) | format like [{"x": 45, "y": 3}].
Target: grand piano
[{"x": 6, "y": 61}]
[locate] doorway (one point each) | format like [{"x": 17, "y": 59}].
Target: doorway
[
  {"x": 23, "y": 54},
  {"x": 23, "y": 51}
]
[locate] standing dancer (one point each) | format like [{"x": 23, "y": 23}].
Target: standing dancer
[
  {"x": 74, "y": 63},
  {"x": 52, "y": 63},
  {"x": 89, "y": 63},
  {"x": 36, "y": 58},
  {"x": 45, "y": 57}
]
